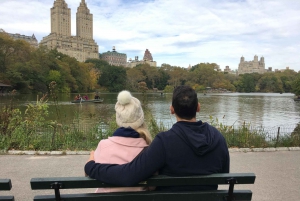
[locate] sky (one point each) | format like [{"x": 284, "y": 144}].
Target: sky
[{"x": 178, "y": 32}]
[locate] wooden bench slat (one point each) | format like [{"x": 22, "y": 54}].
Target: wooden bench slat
[
  {"x": 242, "y": 195},
  {"x": 5, "y": 184},
  {"x": 159, "y": 180},
  {"x": 7, "y": 198}
]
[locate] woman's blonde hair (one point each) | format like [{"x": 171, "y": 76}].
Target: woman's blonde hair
[{"x": 144, "y": 133}]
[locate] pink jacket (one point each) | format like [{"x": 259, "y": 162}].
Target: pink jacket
[{"x": 118, "y": 150}]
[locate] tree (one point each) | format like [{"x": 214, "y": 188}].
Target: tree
[
  {"x": 296, "y": 85},
  {"x": 94, "y": 76},
  {"x": 151, "y": 74},
  {"x": 287, "y": 78},
  {"x": 79, "y": 73},
  {"x": 98, "y": 63},
  {"x": 13, "y": 51},
  {"x": 269, "y": 83},
  {"x": 162, "y": 79},
  {"x": 55, "y": 76},
  {"x": 6, "y": 51},
  {"x": 134, "y": 76},
  {"x": 113, "y": 78},
  {"x": 247, "y": 82},
  {"x": 178, "y": 76},
  {"x": 203, "y": 74},
  {"x": 223, "y": 84}
]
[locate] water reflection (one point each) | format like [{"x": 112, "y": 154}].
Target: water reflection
[{"x": 258, "y": 109}]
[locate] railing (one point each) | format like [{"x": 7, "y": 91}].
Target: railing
[{"x": 86, "y": 137}]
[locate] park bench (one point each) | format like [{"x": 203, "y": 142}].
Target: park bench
[
  {"x": 229, "y": 179},
  {"x": 5, "y": 185}
]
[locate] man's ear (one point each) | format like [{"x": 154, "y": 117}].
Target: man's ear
[
  {"x": 198, "y": 107},
  {"x": 172, "y": 109}
]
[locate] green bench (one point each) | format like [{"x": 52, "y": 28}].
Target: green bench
[
  {"x": 5, "y": 185},
  {"x": 230, "y": 179}
]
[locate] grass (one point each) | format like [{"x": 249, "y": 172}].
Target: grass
[
  {"x": 247, "y": 136},
  {"x": 30, "y": 131}
]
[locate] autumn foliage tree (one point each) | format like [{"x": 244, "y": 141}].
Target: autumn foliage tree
[{"x": 30, "y": 70}]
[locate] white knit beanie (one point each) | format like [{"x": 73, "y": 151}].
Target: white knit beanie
[{"x": 129, "y": 112}]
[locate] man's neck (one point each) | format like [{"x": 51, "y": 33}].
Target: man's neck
[{"x": 186, "y": 120}]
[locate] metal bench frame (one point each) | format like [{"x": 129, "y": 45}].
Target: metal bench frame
[
  {"x": 5, "y": 185},
  {"x": 230, "y": 179}
]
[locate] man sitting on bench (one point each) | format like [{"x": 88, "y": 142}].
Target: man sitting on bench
[{"x": 190, "y": 147}]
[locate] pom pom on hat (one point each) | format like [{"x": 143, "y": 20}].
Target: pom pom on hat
[
  {"x": 124, "y": 97},
  {"x": 129, "y": 112}
]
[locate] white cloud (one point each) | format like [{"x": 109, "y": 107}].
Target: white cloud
[{"x": 178, "y": 32}]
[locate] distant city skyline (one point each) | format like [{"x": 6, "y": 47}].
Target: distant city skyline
[{"x": 178, "y": 32}]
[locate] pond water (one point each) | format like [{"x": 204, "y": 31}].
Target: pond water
[{"x": 257, "y": 109}]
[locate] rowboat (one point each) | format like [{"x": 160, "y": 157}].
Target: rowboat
[{"x": 88, "y": 101}]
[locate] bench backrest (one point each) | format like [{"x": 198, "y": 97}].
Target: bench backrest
[
  {"x": 230, "y": 179},
  {"x": 5, "y": 185}
]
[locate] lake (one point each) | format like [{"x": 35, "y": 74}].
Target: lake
[{"x": 258, "y": 109}]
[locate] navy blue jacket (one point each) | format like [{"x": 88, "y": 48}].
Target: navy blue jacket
[{"x": 188, "y": 148}]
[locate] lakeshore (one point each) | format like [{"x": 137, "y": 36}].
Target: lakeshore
[{"x": 277, "y": 171}]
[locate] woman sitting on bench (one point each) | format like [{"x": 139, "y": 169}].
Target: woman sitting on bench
[{"x": 128, "y": 140}]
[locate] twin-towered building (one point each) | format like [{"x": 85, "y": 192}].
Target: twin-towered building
[
  {"x": 255, "y": 66},
  {"x": 82, "y": 46}
]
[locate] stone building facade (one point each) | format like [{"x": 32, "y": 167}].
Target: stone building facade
[
  {"x": 286, "y": 68},
  {"x": 82, "y": 46},
  {"x": 147, "y": 56},
  {"x": 114, "y": 58},
  {"x": 146, "y": 59},
  {"x": 255, "y": 66},
  {"x": 30, "y": 39},
  {"x": 229, "y": 71}
]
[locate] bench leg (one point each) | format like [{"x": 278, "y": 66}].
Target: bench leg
[
  {"x": 56, "y": 186},
  {"x": 231, "y": 182}
]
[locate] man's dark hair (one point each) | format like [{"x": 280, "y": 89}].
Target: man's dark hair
[{"x": 185, "y": 102}]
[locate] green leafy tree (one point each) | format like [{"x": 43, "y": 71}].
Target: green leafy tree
[
  {"x": 134, "y": 76},
  {"x": 169, "y": 89},
  {"x": 151, "y": 74},
  {"x": 6, "y": 51},
  {"x": 223, "y": 84},
  {"x": 55, "y": 76},
  {"x": 78, "y": 76},
  {"x": 198, "y": 88},
  {"x": 162, "y": 79},
  {"x": 178, "y": 76},
  {"x": 296, "y": 85},
  {"x": 98, "y": 63},
  {"x": 247, "y": 82},
  {"x": 203, "y": 74},
  {"x": 13, "y": 51},
  {"x": 287, "y": 78},
  {"x": 113, "y": 78},
  {"x": 269, "y": 82}
]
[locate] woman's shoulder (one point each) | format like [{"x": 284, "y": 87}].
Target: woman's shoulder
[{"x": 128, "y": 141}]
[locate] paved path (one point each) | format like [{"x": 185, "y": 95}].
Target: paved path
[{"x": 277, "y": 173}]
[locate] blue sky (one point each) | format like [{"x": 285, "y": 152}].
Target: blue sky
[{"x": 178, "y": 32}]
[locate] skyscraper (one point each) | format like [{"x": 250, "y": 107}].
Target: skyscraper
[
  {"x": 61, "y": 18},
  {"x": 82, "y": 46},
  {"x": 84, "y": 21}
]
